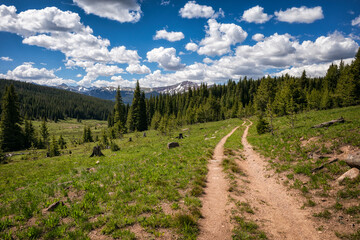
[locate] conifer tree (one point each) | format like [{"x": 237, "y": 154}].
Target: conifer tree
[
  {"x": 143, "y": 124},
  {"x": 29, "y": 134},
  {"x": 87, "y": 136},
  {"x": 119, "y": 113},
  {"x": 44, "y": 132},
  {"x": 137, "y": 119},
  {"x": 54, "y": 148},
  {"x": 11, "y": 135},
  {"x": 62, "y": 142},
  {"x": 346, "y": 88}
]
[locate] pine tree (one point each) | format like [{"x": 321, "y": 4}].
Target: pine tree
[
  {"x": 355, "y": 70},
  {"x": 61, "y": 142},
  {"x": 143, "y": 124},
  {"x": 119, "y": 113},
  {"x": 136, "y": 120},
  {"x": 87, "y": 136},
  {"x": 11, "y": 135},
  {"x": 29, "y": 134},
  {"x": 346, "y": 88},
  {"x": 54, "y": 148},
  {"x": 44, "y": 132}
]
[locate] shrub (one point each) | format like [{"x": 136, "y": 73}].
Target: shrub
[
  {"x": 262, "y": 126},
  {"x": 114, "y": 147}
]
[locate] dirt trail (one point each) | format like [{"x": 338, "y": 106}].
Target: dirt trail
[
  {"x": 216, "y": 221},
  {"x": 279, "y": 213}
]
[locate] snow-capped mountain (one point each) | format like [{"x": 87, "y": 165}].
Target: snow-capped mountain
[
  {"x": 108, "y": 93},
  {"x": 176, "y": 88}
]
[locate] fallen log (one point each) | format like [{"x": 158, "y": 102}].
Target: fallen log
[
  {"x": 323, "y": 165},
  {"x": 327, "y": 124}
]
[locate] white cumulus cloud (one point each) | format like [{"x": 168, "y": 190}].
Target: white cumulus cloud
[
  {"x": 256, "y": 15},
  {"x": 27, "y": 73},
  {"x": 165, "y": 57},
  {"x": 277, "y": 52},
  {"x": 138, "y": 69},
  {"x": 300, "y": 15},
  {"x": 194, "y": 10},
  {"x": 356, "y": 22},
  {"x": 191, "y": 47},
  {"x": 220, "y": 37},
  {"x": 170, "y": 36},
  {"x": 258, "y": 37},
  {"x": 118, "y": 10},
  {"x": 62, "y": 31}
]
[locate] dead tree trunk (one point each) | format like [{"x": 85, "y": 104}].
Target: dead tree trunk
[
  {"x": 327, "y": 124},
  {"x": 97, "y": 152},
  {"x": 322, "y": 166}
]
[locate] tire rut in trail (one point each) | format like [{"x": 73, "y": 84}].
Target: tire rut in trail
[
  {"x": 278, "y": 212},
  {"x": 215, "y": 223}
]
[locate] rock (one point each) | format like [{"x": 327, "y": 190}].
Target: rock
[
  {"x": 97, "y": 162},
  {"x": 351, "y": 174},
  {"x": 91, "y": 169},
  {"x": 53, "y": 206},
  {"x": 353, "y": 160},
  {"x": 173, "y": 145}
]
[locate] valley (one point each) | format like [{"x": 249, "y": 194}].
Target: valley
[{"x": 147, "y": 191}]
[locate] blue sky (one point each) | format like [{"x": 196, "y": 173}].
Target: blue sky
[{"x": 163, "y": 42}]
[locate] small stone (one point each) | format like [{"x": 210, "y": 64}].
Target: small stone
[{"x": 97, "y": 162}]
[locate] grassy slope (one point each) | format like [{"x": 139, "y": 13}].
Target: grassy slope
[
  {"x": 293, "y": 155},
  {"x": 142, "y": 189}
]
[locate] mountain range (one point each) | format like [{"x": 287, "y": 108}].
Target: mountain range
[{"x": 108, "y": 93}]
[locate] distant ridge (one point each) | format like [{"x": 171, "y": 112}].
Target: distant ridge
[
  {"x": 41, "y": 101},
  {"x": 108, "y": 93}
]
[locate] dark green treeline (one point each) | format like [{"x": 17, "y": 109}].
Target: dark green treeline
[{"x": 39, "y": 102}]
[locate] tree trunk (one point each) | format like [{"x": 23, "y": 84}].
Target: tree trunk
[
  {"x": 97, "y": 152},
  {"x": 327, "y": 124}
]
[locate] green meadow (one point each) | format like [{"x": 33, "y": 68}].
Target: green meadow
[{"x": 144, "y": 189}]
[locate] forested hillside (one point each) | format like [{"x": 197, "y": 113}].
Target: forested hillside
[
  {"x": 40, "y": 101},
  {"x": 269, "y": 96}
]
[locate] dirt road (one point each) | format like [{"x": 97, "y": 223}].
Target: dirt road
[
  {"x": 278, "y": 212},
  {"x": 215, "y": 223}
]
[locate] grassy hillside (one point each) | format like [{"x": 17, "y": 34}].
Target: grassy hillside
[
  {"x": 294, "y": 152},
  {"x": 142, "y": 190},
  {"x": 39, "y": 101}
]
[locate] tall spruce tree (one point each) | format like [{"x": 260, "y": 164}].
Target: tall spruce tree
[
  {"x": 119, "y": 113},
  {"x": 44, "y": 132},
  {"x": 11, "y": 135},
  {"x": 143, "y": 123},
  {"x": 29, "y": 134},
  {"x": 133, "y": 118}
]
